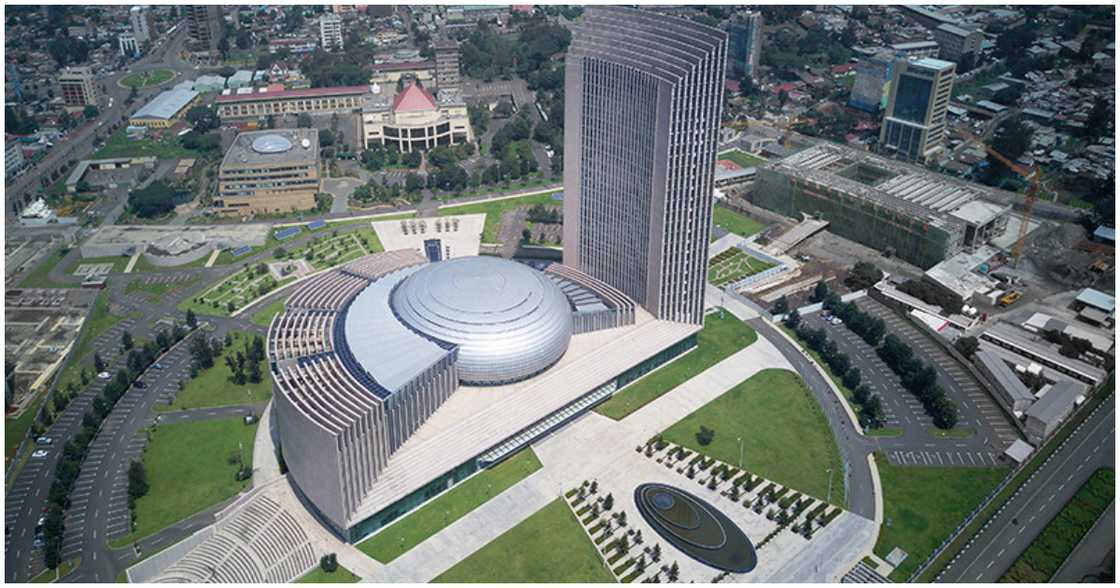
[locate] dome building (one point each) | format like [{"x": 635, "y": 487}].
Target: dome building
[{"x": 269, "y": 172}]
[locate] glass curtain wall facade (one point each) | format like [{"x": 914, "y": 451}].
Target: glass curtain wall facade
[{"x": 643, "y": 96}]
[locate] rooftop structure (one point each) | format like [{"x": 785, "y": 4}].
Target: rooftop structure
[
  {"x": 1096, "y": 299},
  {"x": 917, "y": 49},
  {"x": 1010, "y": 391},
  {"x": 956, "y": 42},
  {"x": 164, "y": 109},
  {"x": 882, "y": 203},
  {"x": 1047, "y": 414},
  {"x": 167, "y": 245},
  {"x": 269, "y": 171},
  {"x": 965, "y": 274},
  {"x": 1033, "y": 348}
]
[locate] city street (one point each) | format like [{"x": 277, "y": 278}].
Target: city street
[{"x": 996, "y": 547}]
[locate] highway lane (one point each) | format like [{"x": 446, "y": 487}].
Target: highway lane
[{"x": 1008, "y": 534}]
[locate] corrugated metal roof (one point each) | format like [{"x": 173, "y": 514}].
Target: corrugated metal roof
[
  {"x": 1097, "y": 299},
  {"x": 167, "y": 104},
  {"x": 1005, "y": 377},
  {"x": 1056, "y": 403}
]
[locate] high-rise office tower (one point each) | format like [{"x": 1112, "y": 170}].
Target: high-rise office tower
[
  {"x": 643, "y": 97},
  {"x": 205, "y": 24},
  {"x": 78, "y": 87},
  {"x": 143, "y": 23},
  {"x": 330, "y": 31},
  {"x": 873, "y": 81},
  {"x": 744, "y": 44},
  {"x": 914, "y": 125},
  {"x": 447, "y": 64}
]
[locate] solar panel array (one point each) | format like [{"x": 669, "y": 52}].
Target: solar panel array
[
  {"x": 317, "y": 224},
  {"x": 242, "y": 251},
  {"x": 288, "y": 233}
]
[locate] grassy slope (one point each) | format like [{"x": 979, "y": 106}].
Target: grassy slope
[
  {"x": 549, "y": 546},
  {"x": 38, "y": 277},
  {"x": 410, "y": 531},
  {"x": 213, "y": 387},
  {"x": 925, "y": 504},
  {"x": 721, "y": 337},
  {"x": 495, "y": 209},
  {"x": 785, "y": 435},
  {"x": 188, "y": 471},
  {"x": 263, "y": 317}
]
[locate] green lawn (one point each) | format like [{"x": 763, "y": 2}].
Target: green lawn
[
  {"x": 38, "y": 277},
  {"x": 721, "y": 336},
  {"x": 167, "y": 147},
  {"x": 263, "y": 317},
  {"x": 147, "y": 79},
  {"x": 428, "y": 520},
  {"x": 786, "y": 437},
  {"x": 119, "y": 262},
  {"x": 549, "y": 547},
  {"x": 339, "y": 576},
  {"x": 213, "y": 386},
  {"x": 188, "y": 470},
  {"x": 98, "y": 321},
  {"x": 1046, "y": 553},
  {"x": 741, "y": 158},
  {"x": 734, "y": 222},
  {"x": 924, "y": 504},
  {"x": 732, "y": 265},
  {"x": 143, "y": 266},
  {"x": 495, "y": 209}
]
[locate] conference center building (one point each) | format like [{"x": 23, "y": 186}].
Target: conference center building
[{"x": 404, "y": 372}]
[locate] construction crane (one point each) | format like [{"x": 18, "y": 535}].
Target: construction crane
[{"x": 1033, "y": 177}]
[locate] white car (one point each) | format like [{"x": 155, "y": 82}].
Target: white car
[
  {"x": 40, "y": 453},
  {"x": 105, "y": 375}
]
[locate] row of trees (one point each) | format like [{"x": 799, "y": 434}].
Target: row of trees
[
  {"x": 920, "y": 379},
  {"x": 245, "y": 364},
  {"x": 379, "y": 157},
  {"x": 75, "y": 450},
  {"x": 871, "y": 406}
]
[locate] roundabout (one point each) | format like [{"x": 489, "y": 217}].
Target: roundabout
[
  {"x": 696, "y": 528},
  {"x": 146, "y": 79}
]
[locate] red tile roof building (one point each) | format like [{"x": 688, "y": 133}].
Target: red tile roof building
[{"x": 414, "y": 120}]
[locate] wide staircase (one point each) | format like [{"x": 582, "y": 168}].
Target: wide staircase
[
  {"x": 257, "y": 542},
  {"x": 863, "y": 574}
]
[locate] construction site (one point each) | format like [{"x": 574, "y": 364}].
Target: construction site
[{"x": 892, "y": 207}]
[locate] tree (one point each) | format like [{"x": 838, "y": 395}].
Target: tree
[
  {"x": 861, "y": 393},
  {"x": 126, "y": 340},
  {"x": 413, "y": 183},
  {"x": 203, "y": 118},
  {"x": 862, "y": 275},
  {"x": 90, "y": 112},
  {"x": 852, "y": 377},
  {"x": 137, "y": 480},
  {"x": 192, "y": 320},
  {"x": 705, "y": 436},
  {"x": 793, "y": 319},
  {"x": 243, "y": 39},
  {"x": 157, "y": 199},
  {"x": 781, "y": 306},
  {"x": 967, "y": 346},
  {"x": 326, "y": 138},
  {"x": 820, "y": 292},
  {"x": 98, "y": 363},
  {"x": 303, "y": 121},
  {"x": 329, "y": 563}
]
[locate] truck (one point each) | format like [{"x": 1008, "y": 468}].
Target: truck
[{"x": 1010, "y": 298}]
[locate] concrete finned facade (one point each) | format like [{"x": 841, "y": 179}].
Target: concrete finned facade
[
  {"x": 914, "y": 124},
  {"x": 414, "y": 120},
  {"x": 78, "y": 87},
  {"x": 638, "y": 195},
  {"x": 268, "y": 172}
]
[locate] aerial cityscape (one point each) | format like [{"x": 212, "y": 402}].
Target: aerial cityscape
[{"x": 559, "y": 293}]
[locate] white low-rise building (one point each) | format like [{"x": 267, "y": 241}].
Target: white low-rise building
[{"x": 413, "y": 119}]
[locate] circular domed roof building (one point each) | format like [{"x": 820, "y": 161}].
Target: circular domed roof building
[{"x": 508, "y": 320}]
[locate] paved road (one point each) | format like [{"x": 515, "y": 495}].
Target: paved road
[
  {"x": 79, "y": 144},
  {"x": 854, "y": 448},
  {"x": 995, "y": 548},
  {"x": 1095, "y": 552}
]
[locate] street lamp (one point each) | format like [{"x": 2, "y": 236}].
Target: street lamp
[
  {"x": 829, "y": 498},
  {"x": 740, "y": 439}
]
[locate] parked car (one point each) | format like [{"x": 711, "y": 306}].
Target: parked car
[
  {"x": 38, "y": 543},
  {"x": 157, "y": 366},
  {"x": 105, "y": 375},
  {"x": 44, "y": 441},
  {"x": 140, "y": 384},
  {"x": 40, "y": 453}
]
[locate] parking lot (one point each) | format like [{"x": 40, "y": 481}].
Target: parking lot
[{"x": 981, "y": 434}]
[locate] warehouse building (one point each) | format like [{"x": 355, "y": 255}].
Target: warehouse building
[
  {"x": 165, "y": 109},
  {"x": 920, "y": 216},
  {"x": 1046, "y": 415},
  {"x": 1010, "y": 391}
]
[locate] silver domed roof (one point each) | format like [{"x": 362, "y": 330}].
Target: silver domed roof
[
  {"x": 509, "y": 320},
  {"x": 271, "y": 144}
]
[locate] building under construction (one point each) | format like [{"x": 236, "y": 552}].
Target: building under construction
[{"x": 920, "y": 216}]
